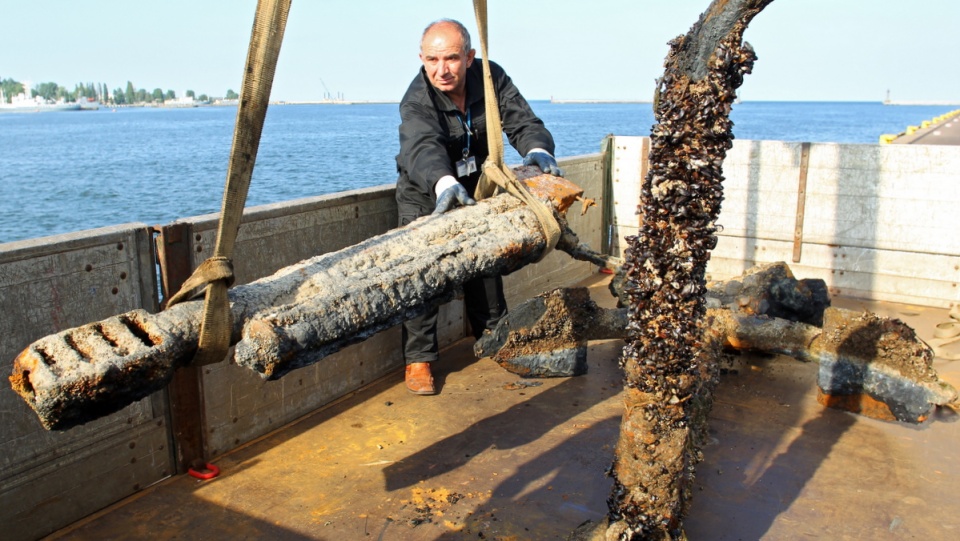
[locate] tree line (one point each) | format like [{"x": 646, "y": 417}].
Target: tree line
[{"x": 100, "y": 92}]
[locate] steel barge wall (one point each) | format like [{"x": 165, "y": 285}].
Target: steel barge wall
[
  {"x": 49, "y": 480},
  {"x": 871, "y": 220}
]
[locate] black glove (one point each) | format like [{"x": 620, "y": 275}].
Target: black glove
[
  {"x": 451, "y": 196},
  {"x": 544, "y": 161}
]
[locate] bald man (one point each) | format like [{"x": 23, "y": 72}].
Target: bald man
[{"x": 443, "y": 143}]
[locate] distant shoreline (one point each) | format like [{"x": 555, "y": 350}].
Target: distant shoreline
[
  {"x": 928, "y": 103},
  {"x": 599, "y": 101},
  {"x": 334, "y": 102},
  {"x": 625, "y": 101}
]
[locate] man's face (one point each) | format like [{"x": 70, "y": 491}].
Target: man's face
[{"x": 441, "y": 52}]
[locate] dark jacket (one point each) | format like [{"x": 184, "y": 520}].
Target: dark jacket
[{"x": 432, "y": 134}]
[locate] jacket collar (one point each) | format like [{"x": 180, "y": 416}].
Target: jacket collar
[{"x": 475, "y": 82}]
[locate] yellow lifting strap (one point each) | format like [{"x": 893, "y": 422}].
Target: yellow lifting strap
[
  {"x": 494, "y": 173},
  {"x": 216, "y": 273}
]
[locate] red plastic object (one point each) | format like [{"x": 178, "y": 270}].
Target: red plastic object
[
  {"x": 212, "y": 471},
  {"x": 604, "y": 270}
]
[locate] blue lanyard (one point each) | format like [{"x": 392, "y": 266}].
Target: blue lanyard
[{"x": 467, "y": 127}]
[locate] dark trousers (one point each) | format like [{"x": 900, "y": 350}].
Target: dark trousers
[
  {"x": 483, "y": 298},
  {"x": 485, "y": 306}
]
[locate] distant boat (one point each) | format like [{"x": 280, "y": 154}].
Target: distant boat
[
  {"x": 89, "y": 104},
  {"x": 22, "y": 104},
  {"x": 186, "y": 101}
]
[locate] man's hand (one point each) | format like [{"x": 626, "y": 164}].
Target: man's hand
[
  {"x": 544, "y": 161},
  {"x": 451, "y": 196}
]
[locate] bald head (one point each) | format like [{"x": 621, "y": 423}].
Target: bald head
[{"x": 447, "y": 25}]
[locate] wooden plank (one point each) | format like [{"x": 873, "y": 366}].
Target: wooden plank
[
  {"x": 391, "y": 278},
  {"x": 801, "y": 201}
]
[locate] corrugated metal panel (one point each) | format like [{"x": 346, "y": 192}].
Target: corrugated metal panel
[
  {"x": 50, "y": 479},
  {"x": 238, "y": 406}
]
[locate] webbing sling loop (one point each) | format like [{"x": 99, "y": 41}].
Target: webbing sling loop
[
  {"x": 494, "y": 173},
  {"x": 216, "y": 274}
]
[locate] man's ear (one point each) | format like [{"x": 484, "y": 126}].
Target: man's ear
[{"x": 470, "y": 56}]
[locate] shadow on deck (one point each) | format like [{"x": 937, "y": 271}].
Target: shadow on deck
[{"x": 489, "y": 459}]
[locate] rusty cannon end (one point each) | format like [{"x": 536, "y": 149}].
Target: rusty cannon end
[
  {"x": 86, "y": 372},
  {"x": 559, "y": 191}
]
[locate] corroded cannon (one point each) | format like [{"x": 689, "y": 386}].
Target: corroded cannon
[{"x": 296, "y": 316}]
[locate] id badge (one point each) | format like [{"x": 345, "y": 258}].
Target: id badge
[{"x": 466, "y": 166}]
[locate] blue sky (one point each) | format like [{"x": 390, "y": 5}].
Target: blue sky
[{"x": 845, "y": 50}]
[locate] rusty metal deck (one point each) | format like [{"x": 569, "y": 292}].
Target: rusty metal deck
[{"x": 491, "y": 458}]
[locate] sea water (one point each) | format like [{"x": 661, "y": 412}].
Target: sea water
[{"x": 69, "y": 171}]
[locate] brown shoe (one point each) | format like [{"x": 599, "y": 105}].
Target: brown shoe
[{"x": 419, "y": 380}]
